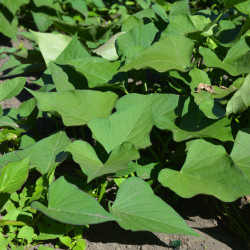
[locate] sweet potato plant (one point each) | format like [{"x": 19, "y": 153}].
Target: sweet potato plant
[{"x": 137, "y": 103}]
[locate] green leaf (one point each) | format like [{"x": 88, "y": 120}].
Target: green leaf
[
  {"x": 240, "y": 153},
  {"x": 144, "y": 3},
  {"x": 240, "y": 100},
  {"x": 108, "y": 50},
  {"x": 171, "y": 52},
  {"x": 80, "y": 6},
  {"x": 179, "y": 8},
  {"x": 231, "y": 3},
  {"x": 243, "y": 7},
  {"x": 26, "y": 108},
  {"x": 47, "y": 153},
  {"x": 182, "y": 117},
  {"x": 160, "y": 11},
  {"x": 98, "y": 71},
  {"x": 11, "y": 88},
  {"x": 76, "y": 107},
  {"x": 130, "y": 23},
  {"x": 236, "y": 62},
  {"x": 26, "y": 233},
  {"x": 208, "y": 169},
  {"x": 188, "y": 121},
  {"x": 131, "y": 124},
  {"x": 42, "y": 20},
  {"x": 13, "y": 175},
  {"x": 84, "y": 154},
  {"x": 14, "y": 5},
  {"x": 138, "y": 209},
  {"x": 72, "y": 206},
  {"x": 51, "y": 45},
  {"x": 141, "y": 36},
  {"x": 74, "y": 50},
  {"x": 180, "y": 24},
  {"x": 60, "y": 78},
  {"x": 48, "y": 3}
]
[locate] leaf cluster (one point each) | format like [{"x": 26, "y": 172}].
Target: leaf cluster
[{"x": 134, "y": 107}]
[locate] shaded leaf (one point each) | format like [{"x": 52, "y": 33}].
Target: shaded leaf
[
  {"x": 97, "y": 71},
  {"x": 236, "y": 62},
  {"x": 60, "y": 78}
]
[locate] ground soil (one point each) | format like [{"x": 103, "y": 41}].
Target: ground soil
[{"x": 109, "y": 236}]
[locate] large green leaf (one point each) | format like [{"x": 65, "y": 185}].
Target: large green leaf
[
  {"x": 14, "y": 5},
  {"x": 76, "y": 107},
  {"x": 208, "y": 169},
  {"x": 241, "y": 99},
  {"x": 171, "y": 52},
  {"x": 6, "y": 28},
  {"x": 68, "y": 204},
  {"x": 142, "y": 35},
  {"x": 138, "y": 209},
  {"x": 236, "y": 62},
  {"x": 13, "y": 175},
  {"x": 98, "y": 71},
  {"x": 131, "y": 124},
  {"x": 51, "y": 45},
  {"x": 47, "y": 153},
  {"x": 84, "y": 154},
  {"x": 240, "y": 153},
  {"x": 11, "y": 88}
]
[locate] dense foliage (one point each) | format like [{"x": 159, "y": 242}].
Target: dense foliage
[{"x": 138, "y": 103}]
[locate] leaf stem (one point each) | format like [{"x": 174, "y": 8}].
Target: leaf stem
[
  {"x": 165, "y": 148},
  {"x": 12, "y": 223},
  {"x": 154, "y": 154},
  {"x": 104, "y": 184}
]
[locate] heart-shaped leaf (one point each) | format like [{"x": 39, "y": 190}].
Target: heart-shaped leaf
[
  {"x": 138, "y": 209},
  {"x": 208, "y": 169},
  {"x": 132, "y": 124}
]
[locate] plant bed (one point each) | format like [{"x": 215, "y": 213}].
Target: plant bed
[{"x": 126, "y": 116}]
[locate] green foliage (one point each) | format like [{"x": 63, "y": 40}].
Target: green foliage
[{"x": 137, "y": 97}]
